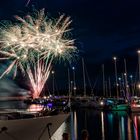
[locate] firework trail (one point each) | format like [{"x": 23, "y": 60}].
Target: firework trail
[
  {"x": 33, "y": 44},
  {"x": 38, "y": 77}
]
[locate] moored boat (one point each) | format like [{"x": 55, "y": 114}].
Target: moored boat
[
  {"x": 115, "y": 104},
  {"x": 135, "y": 104},
  {"x": 34, "y": 128},
  {"x": 37, "y": 122}
]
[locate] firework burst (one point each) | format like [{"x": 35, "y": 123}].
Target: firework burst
[{"x": 32, "y": 44}]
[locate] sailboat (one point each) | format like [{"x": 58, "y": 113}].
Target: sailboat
[
  {"x": 135, "y": 100},
  {"x": 87, "y": 101},
  {"x": 38, "y": 128},
  {"x": 118, "y": 104}
]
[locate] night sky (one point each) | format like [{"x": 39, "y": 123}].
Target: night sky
[{"x": 101, "y": 28}]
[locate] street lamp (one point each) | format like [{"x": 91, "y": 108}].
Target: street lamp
[
  {"x": 53, "y": 80},
  {"x": 74, "y": 83},
  {"x": 71, "y": 86},
  {"x": 132, "y": 84},
  {"x": 139, "y": 62},
  {"x": 139, "y": 65},
  {"x": 120, "y": 84},
  {"x": 116, "y": 77}
]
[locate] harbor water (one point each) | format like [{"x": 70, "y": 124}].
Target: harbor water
[
  {"x": 116, "y": 125},
  {"x": 101, "y": 125}
]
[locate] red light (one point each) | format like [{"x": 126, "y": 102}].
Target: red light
[{"x": 133, "y": 104}]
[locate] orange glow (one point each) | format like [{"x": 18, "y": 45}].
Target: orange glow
[{"x": 35, "y": 108}]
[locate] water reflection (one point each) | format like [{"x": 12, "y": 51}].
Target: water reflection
[
  {"x": 135, "y": 126},
  {"x": 122, "y": 128},
  {"x": 103, "y": 125},
  {"x": 75, "y": 125},
  {"x": 129, "y": 129},
  {"x": 100, "y": 125}
]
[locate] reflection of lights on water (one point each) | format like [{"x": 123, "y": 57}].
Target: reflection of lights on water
[
  {"x": 136, "y": 128},
  {"x": 129, "y": 129},
  {"x": 121, "y": 128},
  {"x": 35, "y": 108},
  {"x": 102, "y": 122},
  {"x": 75, "y": 125},
  {"x": 110, "y": 120}
]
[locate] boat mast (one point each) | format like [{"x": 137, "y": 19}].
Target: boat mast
[
  {"x": 139, "y": 63},
  {"x": 69, "y": 89},
  {"x": 103, "y": 80},
  {"x": 53, "y": 81},
  {"x": 139, "y": 73},
  {"x": 116, "y": 76},
  {"x": 106, "y": 88},
  {"x": 84, "y": 79},
  {"x": 126, "y": 82},
  {"x": 132, "y": 84},
  {"x": 74, "y": 83},
  {"x": 109, "y": 84}
]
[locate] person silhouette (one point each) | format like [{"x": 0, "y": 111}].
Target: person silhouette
[
  {"x": 84, "y": 135},
  {"x": 65, "y": 136}
]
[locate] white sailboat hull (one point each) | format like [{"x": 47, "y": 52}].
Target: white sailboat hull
[{"x": 31, "y": 129}]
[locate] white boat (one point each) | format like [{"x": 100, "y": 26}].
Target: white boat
[
  {"x": 34, "y": 128},
  {"x": 34, "y": 123}
]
